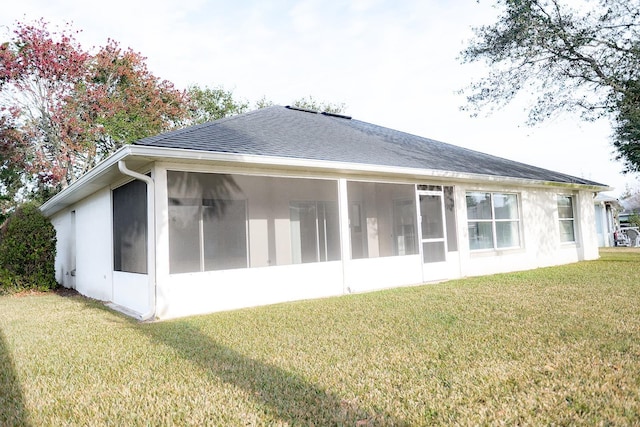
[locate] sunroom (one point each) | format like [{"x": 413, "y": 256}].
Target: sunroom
[{"x": 233, "y": 239}]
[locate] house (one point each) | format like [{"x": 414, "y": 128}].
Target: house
[
  {"x": 283, "y": 204},
  {"x": 630, "y": 206},
  {"x": 607, "y": 210}
]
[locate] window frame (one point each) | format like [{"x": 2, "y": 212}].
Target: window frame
[
  {"x": 572, "y": 219},
  {"x": 274, "y": 246},
  {"x": 128, "y": 211},
  {"x": 494, "y": 221}
]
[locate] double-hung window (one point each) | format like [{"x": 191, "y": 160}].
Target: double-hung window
[
  {"x": 493, "y": 220},
  {"x": 566, "y": 218}
]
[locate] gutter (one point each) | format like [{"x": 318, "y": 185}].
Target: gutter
[{"x": 151, "y": 247}]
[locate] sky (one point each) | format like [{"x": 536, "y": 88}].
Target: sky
[{"x": 394, "y": 63}]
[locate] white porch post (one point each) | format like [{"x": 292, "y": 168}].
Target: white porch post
[
  {"x": 345, "y": 232},
  {"x": 162, "y": 238},
  {"x": 151, "y": 241}
]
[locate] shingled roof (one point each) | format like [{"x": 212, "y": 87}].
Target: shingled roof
[{"x": 287, "y": 132}]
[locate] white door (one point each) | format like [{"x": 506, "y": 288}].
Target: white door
[{"x": 433, "y": 238}]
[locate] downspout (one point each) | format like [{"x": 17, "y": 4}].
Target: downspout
[{"x": 151, "y": 247}]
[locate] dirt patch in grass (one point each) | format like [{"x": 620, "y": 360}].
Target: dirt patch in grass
[
  {"x": 65, "y": 292},
  {"x": 60, "y": 291}
]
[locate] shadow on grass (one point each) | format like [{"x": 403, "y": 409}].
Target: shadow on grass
[
  {"x": 279, "y": 394},
  {"x": 283, "y": 395},
  {"x": 12, "y": 409}
]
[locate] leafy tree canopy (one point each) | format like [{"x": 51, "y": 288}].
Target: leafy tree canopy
[
  {"x": 63, "y": 109},
  {"x": 583, "y": 58},
  {"x": 310, "y": 103},
  {"x": 207, "y": 104}
]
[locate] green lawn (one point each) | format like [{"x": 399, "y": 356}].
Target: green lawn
[{"x": 554, "y": 346}]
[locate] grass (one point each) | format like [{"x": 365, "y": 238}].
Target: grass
[{"x": 554, "y": 346}]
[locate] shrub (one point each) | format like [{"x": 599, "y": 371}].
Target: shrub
[{"x": 27, "y": 251}]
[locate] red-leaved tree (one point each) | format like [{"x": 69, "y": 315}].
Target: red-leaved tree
[{"x": 63, "y": 109}]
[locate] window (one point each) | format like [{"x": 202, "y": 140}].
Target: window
[
  {"x": 130, "y": 228},
  {"x": 567, "y": 220},
  {"x": 207, "y": 223},
  {"x": 450, "y": 219},
  {"x": 207, "y": 234},
  {"x": 224, "y": 221},
  {"x": 493, "y": 220},
  {"x": 315, "y": 231},
  {"x": 382, "y": 219},
  {"x": 404, "y": 214}
]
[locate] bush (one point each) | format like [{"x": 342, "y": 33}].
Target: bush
[{"x": 27, "y": 251}]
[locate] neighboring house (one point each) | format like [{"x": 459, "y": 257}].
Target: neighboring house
[
  {"x": 630, "y": 206},
  {"x": 607, "y": 210},
  {"x": 283, "y": 204}
]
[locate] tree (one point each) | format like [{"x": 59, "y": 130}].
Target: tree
[
  {"x": 11, "y": 164},
  {"x": 567, "y": 59},
  {"x": 128, "y": 101},
  {"x": 207, "y": 104},
  {"x": 630, "y": 199},
  {"x": 66, "y": 109},
  {"x": 27, "y": 251},
  {"x": 311, "y": 103},
  {"x": 37, "y": 74},
  {"x": 263, "y": 103},
  {"x": 308, "y": 103}
]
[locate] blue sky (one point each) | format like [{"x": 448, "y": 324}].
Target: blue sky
[{"x": 393, "y": 63}]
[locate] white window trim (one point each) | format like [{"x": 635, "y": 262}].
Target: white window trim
[
  {"x": 572, "y": 219},
  {"x": 493, "y": 222}
]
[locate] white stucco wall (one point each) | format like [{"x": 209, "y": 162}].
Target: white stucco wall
[
  {"x": 130, "y": 290},
  {"x": 266, "y": 283},
  {"x": 195, "y": 293},
  {"x": 369, "y": 274},
  {"x": 540, "y": 233},
  {"x": 93, "y": 253},
  {"x": 587, "y": 224},
  {"x": 94, "y": 259},
  {"x": 63, "y": 263},
  {"x": 191, "y": 293}
]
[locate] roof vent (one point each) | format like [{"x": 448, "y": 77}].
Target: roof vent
[
  {"x": 342, "y": 116},
  {"x": 291, "y": 107}
]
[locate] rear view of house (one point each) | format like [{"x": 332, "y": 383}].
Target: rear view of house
[{"x": 283, "y": 204}]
